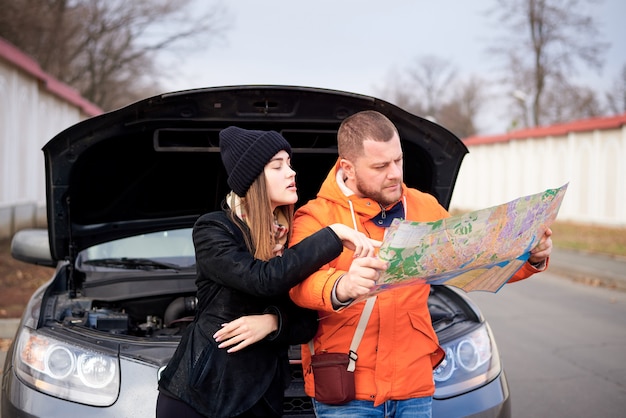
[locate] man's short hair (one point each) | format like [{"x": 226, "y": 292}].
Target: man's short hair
[{"x": 361, "y": 126}]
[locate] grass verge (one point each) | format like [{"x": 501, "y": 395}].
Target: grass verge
[{"x": 589, "y": 238}]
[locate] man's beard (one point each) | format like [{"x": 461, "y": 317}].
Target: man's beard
[{"x": 377, "y": 195}]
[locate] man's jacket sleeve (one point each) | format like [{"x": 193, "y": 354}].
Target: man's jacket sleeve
[
  {"x": 526, "y": 271},
  {"x": 315, "y": 291}
]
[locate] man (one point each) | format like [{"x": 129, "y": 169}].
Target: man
[{"x": 399, "y": 347}]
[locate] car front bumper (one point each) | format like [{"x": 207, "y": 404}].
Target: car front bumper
[{"x": 490, "y": 401}]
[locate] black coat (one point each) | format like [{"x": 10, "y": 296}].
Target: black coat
[{"x": 232, "y": 283}]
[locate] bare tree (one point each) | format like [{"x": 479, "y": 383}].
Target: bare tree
[
  {"x": 570, "y": 103},
  {"x": 392, "y": 90},
  {"x": 431, "y": 89},
  {"x": 106, "y": 49},
  {"x": 431, "y": 77},
  {"x": 616, "y": 98},
  {"x": 547, "y": 41},
  {"x": 460, "y": 112}
]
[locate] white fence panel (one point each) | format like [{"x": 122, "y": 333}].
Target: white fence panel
[
  {"x": 500, "y": 169},
  {"x": 33, "y": 108}
]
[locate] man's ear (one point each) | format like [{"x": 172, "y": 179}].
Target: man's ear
[{"x": 347, "y": 167}]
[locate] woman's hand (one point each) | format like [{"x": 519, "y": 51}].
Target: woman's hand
[
  {"x": 245, "y": 331},
  {"x": 361, "y": 244}
]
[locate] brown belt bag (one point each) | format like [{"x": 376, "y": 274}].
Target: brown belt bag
[
  {"x": 334, "y": 384},
  {"x": 333, "y": 373}
]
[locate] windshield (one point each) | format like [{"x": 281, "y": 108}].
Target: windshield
[{"x": 158, "y": 250}]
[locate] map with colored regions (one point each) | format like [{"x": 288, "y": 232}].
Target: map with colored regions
[{"x": 479, "y": 250}]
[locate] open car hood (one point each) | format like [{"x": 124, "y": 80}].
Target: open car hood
[{"x": 155, "y": 164}]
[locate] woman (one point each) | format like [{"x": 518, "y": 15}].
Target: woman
[{"x": 232, "y": 360}]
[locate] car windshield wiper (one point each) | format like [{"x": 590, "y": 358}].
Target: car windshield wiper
[{"x": 132, "y": 263}]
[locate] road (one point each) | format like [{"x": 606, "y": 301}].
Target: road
[{"x": 563, "y": 346}]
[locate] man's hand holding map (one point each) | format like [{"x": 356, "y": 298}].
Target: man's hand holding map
[{"x": 480, "y": 250}]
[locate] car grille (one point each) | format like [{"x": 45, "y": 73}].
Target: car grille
[{"x": 297, "y": 403}]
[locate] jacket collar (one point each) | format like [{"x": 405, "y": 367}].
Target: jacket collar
[{"x": 335, "y": 190}]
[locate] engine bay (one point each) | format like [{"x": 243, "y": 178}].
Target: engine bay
[
  {"x": 169, "y": 315},
  {"x": 146, "y": 317}
]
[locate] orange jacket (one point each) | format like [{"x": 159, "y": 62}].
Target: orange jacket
[{"x": 400, "y": 347}]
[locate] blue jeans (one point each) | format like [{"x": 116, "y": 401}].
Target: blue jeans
[{"x": 409, "y": 408}]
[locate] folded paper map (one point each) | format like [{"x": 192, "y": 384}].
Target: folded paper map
[{"x": 479, "y": 250}]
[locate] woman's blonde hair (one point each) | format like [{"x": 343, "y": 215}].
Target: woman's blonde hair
[{"x": 260, "y": 219}]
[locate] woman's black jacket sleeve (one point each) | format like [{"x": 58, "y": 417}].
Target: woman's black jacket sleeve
[{"x": 222, "y": 257}]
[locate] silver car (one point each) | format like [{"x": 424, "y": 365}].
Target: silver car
[{"x": 123, "y": 191}]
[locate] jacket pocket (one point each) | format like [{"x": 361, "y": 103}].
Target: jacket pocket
[
  {"x": 429, "y": 342},
  {"x": 200, "y": 360}
]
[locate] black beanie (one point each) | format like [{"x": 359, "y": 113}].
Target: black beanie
[{"x": 245, "y": 153}]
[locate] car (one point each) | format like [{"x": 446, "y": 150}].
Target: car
[{"x": 123, "y": 190}]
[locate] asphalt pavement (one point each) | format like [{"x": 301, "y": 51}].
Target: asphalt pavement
[{"x": 591, "y": 269}]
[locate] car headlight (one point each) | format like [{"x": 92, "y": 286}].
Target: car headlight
[
  {"x": 67, "y": 371},
  {"x": 471, "y": 361}
]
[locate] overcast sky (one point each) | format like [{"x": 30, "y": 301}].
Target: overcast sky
[{"x": 354, "y": 45}]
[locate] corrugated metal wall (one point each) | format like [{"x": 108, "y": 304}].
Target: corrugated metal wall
[
  {"x": 33, "y": 108},
  {"x": 592, "y": 160}
]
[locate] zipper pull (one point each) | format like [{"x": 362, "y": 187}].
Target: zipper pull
[{"x": 383, "y": 213}]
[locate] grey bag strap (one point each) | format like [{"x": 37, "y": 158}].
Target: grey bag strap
[{"x": 358, "y": 334}]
